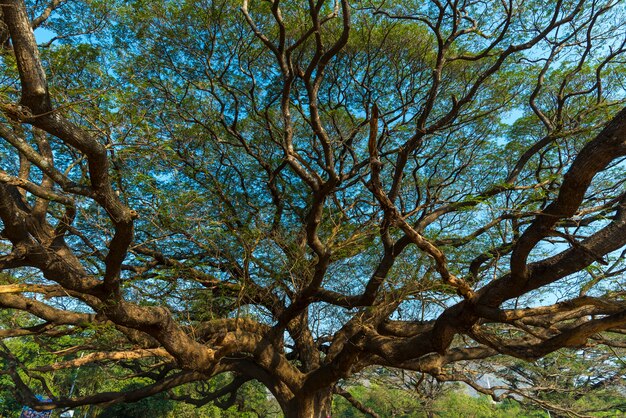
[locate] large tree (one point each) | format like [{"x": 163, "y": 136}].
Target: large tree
[{"x": 294, "y": 192}]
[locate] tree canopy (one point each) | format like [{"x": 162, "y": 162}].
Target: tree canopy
[{"x": 197, "y": 194}]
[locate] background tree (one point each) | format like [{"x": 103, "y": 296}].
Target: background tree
[{"x": 293, "y": 192}]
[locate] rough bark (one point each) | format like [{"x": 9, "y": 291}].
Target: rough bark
[{"x": 310, "y": 405}]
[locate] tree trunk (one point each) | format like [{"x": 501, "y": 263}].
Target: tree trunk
[{"x": 314, "y": 405}]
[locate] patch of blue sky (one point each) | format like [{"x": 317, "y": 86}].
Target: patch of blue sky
[
  {"x": 44, "y": 35},
  {"x": 511, "y": 116}
]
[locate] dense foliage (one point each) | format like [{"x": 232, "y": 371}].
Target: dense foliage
[{"x": 204, "y": 202}]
